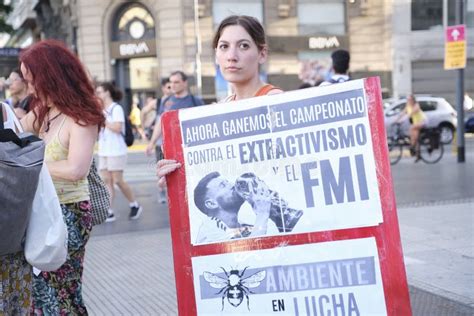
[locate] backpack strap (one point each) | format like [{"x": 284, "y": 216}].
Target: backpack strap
[
  {"x": 265, "y": 89},
  {"x": 194, "y": 101},
  {"x": 1, "y": 117}
]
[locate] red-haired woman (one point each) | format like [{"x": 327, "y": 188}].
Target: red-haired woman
[{"x": 67, "y": 116}]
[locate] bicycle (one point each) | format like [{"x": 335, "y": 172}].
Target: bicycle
[{"x": 429, "y": 146}]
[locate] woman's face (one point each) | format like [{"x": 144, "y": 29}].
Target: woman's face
[{"x": 238, "y": 56}]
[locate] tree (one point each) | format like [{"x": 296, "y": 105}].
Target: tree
[
  {"x": 54, "y": 20},
  {"x": 5, "y": 9}
]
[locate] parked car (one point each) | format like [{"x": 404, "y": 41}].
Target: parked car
[
  {"x": 438, "y": 111},
  {"x": 469, "y": 126}
]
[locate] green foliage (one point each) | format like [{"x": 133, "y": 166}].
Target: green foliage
[{"x": 4, "y": 11}]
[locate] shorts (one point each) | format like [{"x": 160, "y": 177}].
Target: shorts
[{"x": 112, "y": 163}]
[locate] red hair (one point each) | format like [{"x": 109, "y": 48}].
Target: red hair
[{"x": 59, "y": 78}]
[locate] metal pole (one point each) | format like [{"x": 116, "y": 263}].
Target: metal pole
[
  {"x": 198, "y": 49},
  {"x": 445, "y": 14},
  {"x": 460, "y": 92}
]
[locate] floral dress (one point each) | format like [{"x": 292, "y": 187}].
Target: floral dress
[
  {"x": 60, "y": 292},
  {"x": 15, "y": 284}
]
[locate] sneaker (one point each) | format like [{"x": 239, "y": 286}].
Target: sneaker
[
  {"x": 110, "y": 218},
  {"x": 135, "y": 212}
]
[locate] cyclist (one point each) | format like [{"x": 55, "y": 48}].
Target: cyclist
[{"x": 417, "y": 119}]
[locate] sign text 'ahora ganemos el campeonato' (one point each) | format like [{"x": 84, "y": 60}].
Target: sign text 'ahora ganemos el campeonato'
[{"x": 276, "y": 118}]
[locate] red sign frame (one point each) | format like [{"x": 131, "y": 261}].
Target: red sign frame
[{"x": 387, "y": 234}]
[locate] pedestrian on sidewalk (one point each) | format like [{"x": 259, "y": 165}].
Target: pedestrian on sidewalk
[
  {"x": 178, "y": 98},
  {"x": 340, "y": 66},
  {"x": 113, "y": 149},
  {"x": 158, "y": 105},
  {"x": 67, "y": 116},
  {"x": 240, "y": 49},
  {"x": 150, "y": 110}
]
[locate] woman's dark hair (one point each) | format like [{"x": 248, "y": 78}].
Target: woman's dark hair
[
  {"x": 250, "y": 24},
  {"x": 165, "y": 81},
  {"x": 59, "y": 78},
  {"x": 115, "y": 93}
]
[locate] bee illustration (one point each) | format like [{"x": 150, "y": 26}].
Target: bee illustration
[{"x": 235, "y": 286}]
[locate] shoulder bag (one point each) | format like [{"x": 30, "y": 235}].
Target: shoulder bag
[
  {"x": 46, "y": 237},
  {"x": 21, "y": 158},
  {"x": 99, "y": 196}
]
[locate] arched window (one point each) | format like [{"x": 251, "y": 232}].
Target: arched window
[{"x": 133, "y": 22}]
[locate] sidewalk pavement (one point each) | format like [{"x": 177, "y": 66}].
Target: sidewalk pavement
[{"x": 133, "y": 274}]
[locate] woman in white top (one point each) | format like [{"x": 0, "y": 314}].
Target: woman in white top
[{"x": 113, "y": 149}]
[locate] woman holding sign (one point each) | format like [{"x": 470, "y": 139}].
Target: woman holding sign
[{"x": 241, "y": 49}]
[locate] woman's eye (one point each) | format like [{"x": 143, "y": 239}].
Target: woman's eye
[
  {"x": 222, "y": 46},
  {"x": 244, "y": 45}
]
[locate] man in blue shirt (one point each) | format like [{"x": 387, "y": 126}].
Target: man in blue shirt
[{"x": 180, "y": 99}]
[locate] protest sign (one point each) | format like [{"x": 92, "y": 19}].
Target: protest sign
[
  {"x": 329, "y": 278},
  {"x": 292, "y": 182}
]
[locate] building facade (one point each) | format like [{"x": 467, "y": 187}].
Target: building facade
[
  {"x": 301, "y": 36},
  {"x": 418, "y": 48},
  {"x": 136, "y": 43}
]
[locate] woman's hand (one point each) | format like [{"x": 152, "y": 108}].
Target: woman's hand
[{"x": 165, "y": 167}]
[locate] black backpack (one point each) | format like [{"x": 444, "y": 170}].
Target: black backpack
[{"x": 128, "y": 136}]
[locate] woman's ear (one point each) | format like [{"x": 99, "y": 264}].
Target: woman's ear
[{"x": 263, "y": 54}]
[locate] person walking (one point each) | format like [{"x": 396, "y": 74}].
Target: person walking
[
  {"x": 240, "y": 49},
  {"x": 150, "y": 110},
  {"x": 158, "y": 105},
  {"x": 113, "y": 149},
  {"x": 340, "y": 66},
  {"x": 156, "y": 132},
  {"x": 178, "y": 98},
  {"x": 67, "y": 116}
]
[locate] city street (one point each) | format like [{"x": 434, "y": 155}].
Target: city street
[{"x": 129, "y": 267}]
